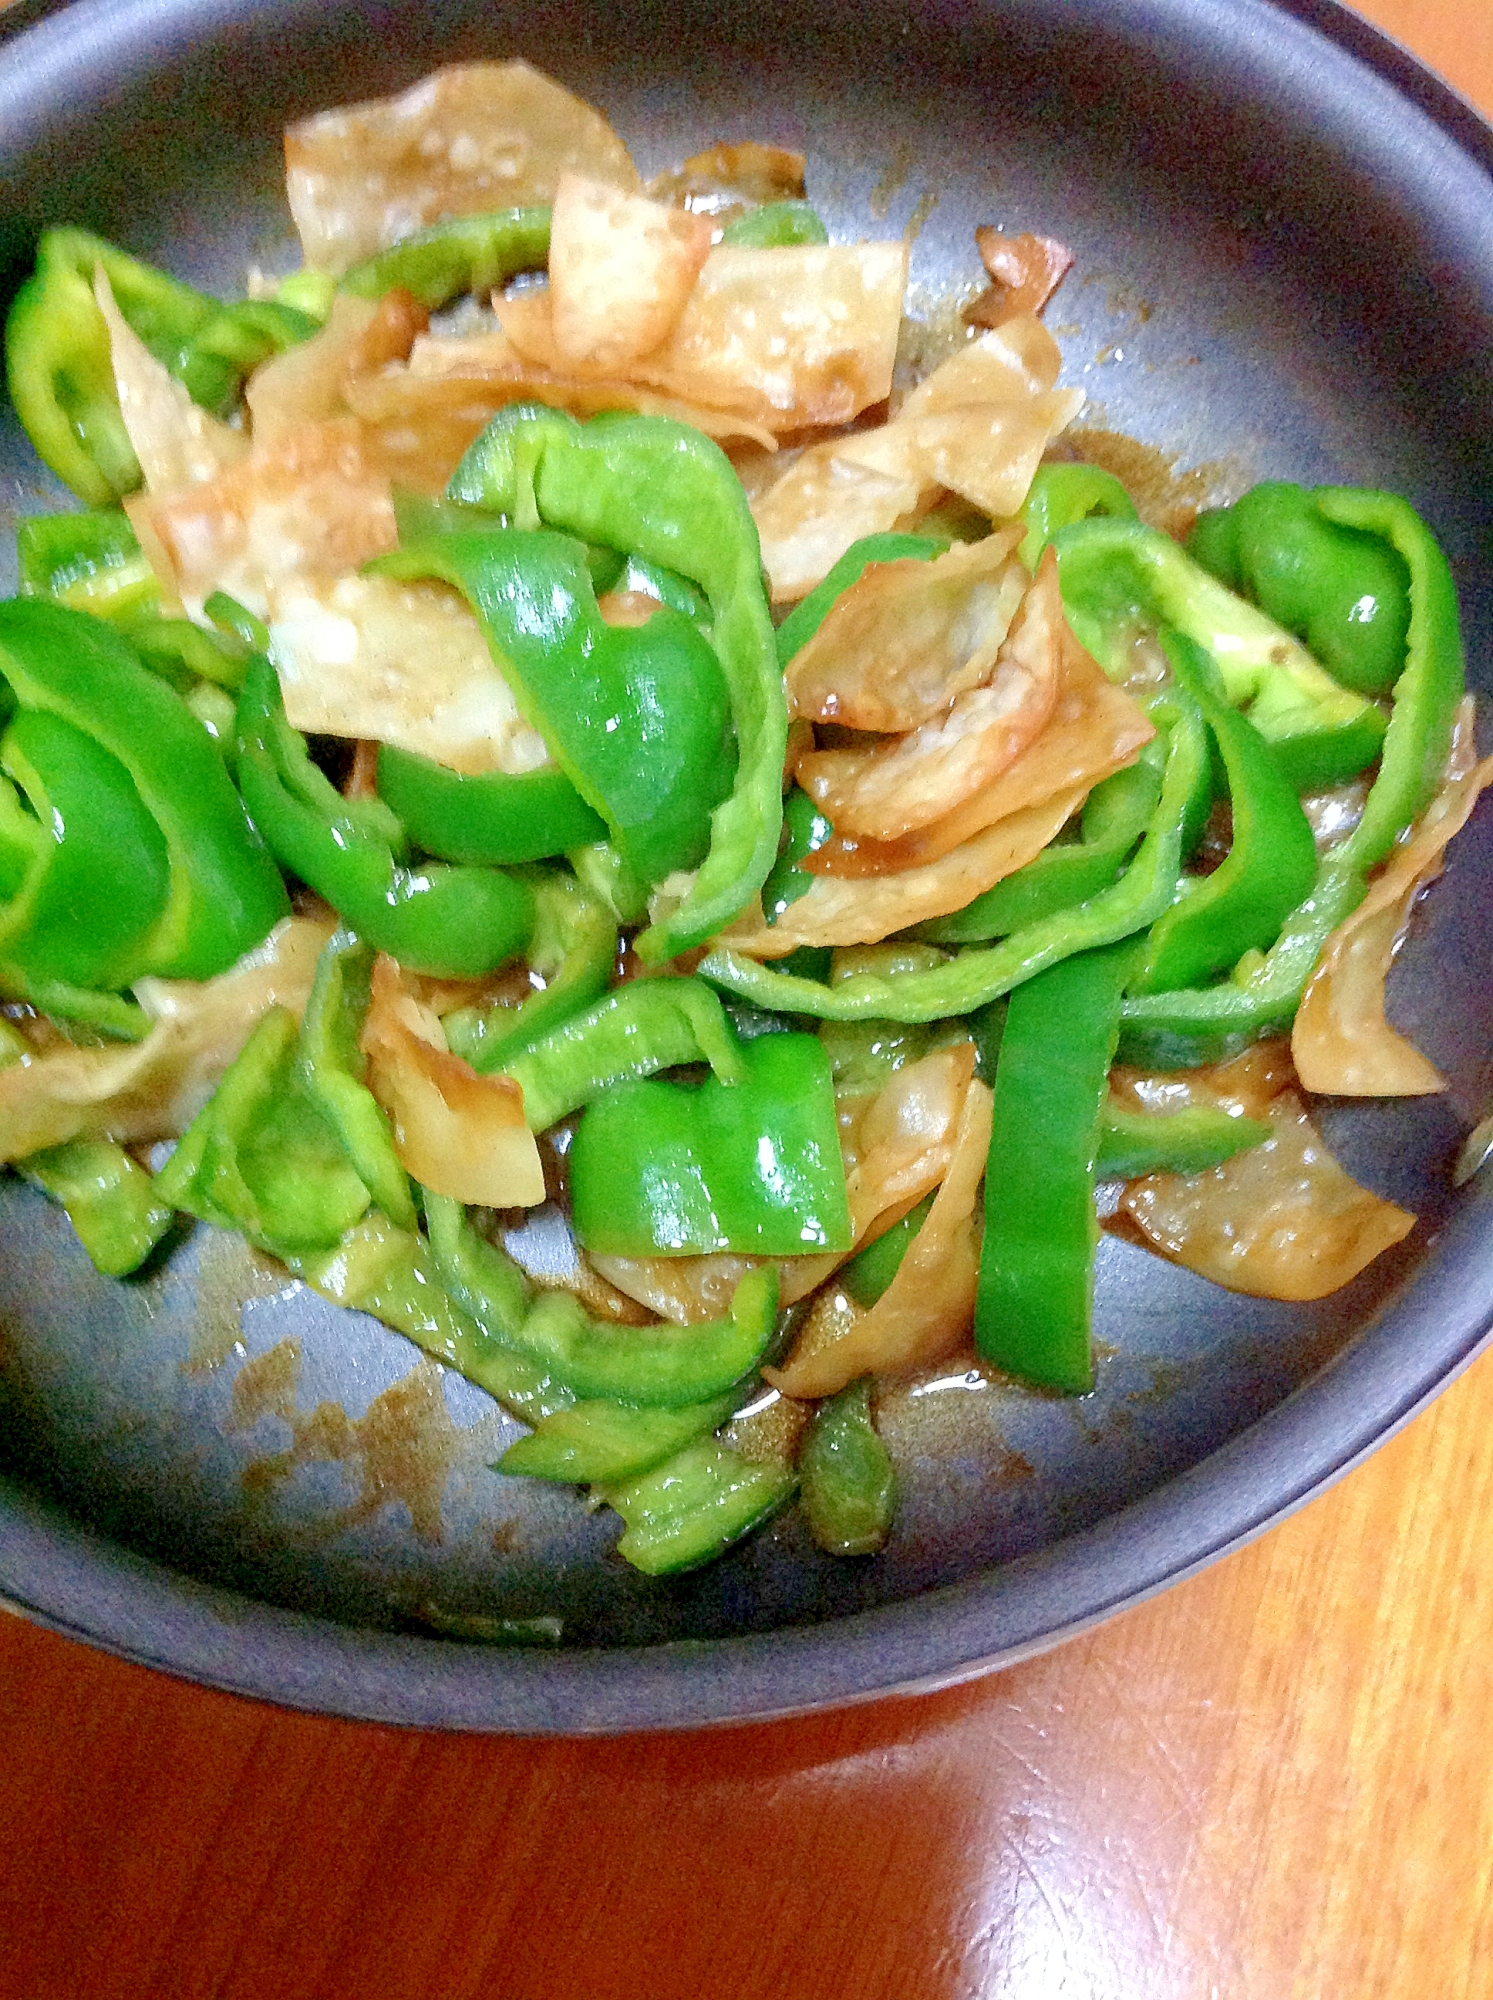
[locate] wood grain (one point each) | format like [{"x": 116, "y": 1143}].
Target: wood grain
[{"x": 1273, "y": 1781}]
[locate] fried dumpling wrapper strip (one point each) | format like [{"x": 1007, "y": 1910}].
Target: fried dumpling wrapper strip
[
  {"x": 788, "y": 337},
  {"x": 1341, "y": 1043},
  {"x": 1026, "y": 271},
  {"x": 455, "y": 384},
  {"x": 927, "y": 1310},
  {"x": 309, "y": 504},
  {"x": 1095, "y": 729},
  {"x": 835, "y": 911},
  {"x": 896, "y": 648},
  {"x": 308, "y": 383},
  {"x": 457, "y": 1133},
  {"x": 154, "y": 1088},
  {"x": 470, "y": 137},
  {"x": 977, "y": 426},
  {"x": 1280, "y": 1221},
  {"x": 177, "y": 443},
  {"x": 621, "y": 268},
  {"x": 897, "y": 1149},
  {"x": 898, "y": 786}
]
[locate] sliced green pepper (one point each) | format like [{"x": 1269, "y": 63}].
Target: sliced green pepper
[
  {"x": 465, "y": 253},
  {"x": 110, "y": 1201},
  {"x": 804, "y": 620},
  {"x": 1061, "y": 495},
  {"x": 1344, "y": 591},
  {"x": 573, "y": 952},
  {"x": 848, "y": 1488},
  {"x": 633, "y": 1032},
  {"x": 599, "y": 1442},
  {"x": 662, "y": 1365},
  {"x": 1189, "y": 1141},
  {"x": 1203, "y": 1025},
  {"x": 60, "y": 370},
  {"x": 637, "y": 716},
  {"x": 225, "y": 893},
  {"x": 491, "y": 817},
  {"x": 805, "y": 831},
  {"x": 455, "y": 922},
  {"x": 1121, "y": 580},
  {"x": 1034, "y": 1305},
  {"x": 869, "y": 1273},
  {"x": 690, "y": 1509},
  {"x": 668, "y": 1169},
  {"x": 332, "y": 1067},
  {"x": 1272, "y": 859},
  {"x": 980, "y": 974},
  {"x": 775, "y": 225},
  {"x": 90, "y": 562},
  {"x": 657, "y": 488}
]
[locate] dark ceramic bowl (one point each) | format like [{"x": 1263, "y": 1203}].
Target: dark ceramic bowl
[{"x": 1284, "y": 232}]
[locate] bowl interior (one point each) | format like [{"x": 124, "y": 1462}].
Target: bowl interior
[{"x": 1284, "y": 268}]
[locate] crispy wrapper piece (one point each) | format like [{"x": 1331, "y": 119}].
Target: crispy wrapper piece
[
  {"x": 927, "y": 1310},
  {"x": 789, "y": 338},
  {"x": 308, "y": 382},
  {"x": 1026, "y": 271},
  {"x": 400, "y": 663},
  {"x": 177, "y": 443},
  {"x": 898, "y": 646},
  {"x": 897, "y": 1147},
  {"x": 1280, "y": 1221},
  {"x": 1341, "y": 1043},
  {"x": 905, "y": 783},
  {"x": 725, "y": 178},
  {"x": 864, "y": 911},
  {"x": 977, "y": 426},
  {"x": 458, "y": 1133},
  {"x": 1095, "y": 729},
  {"x": 154, "y": 1089},
  {"x": 621, "y": 268},
  {"x": 471, "y": 137},
  {"x": 455, "y": 384},
  {"x": 312, "y": 503}
]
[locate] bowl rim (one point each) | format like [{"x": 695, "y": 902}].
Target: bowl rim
[{"x": 70, "y": 1579}]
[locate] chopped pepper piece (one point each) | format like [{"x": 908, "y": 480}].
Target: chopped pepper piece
[
  {"x": 90, "y": 562},
  {"x": 110, "y": 1201},
  {"x": 848, "y": 1487},
  {"x": 1190, "y": 1141},
  {"x": 1060, "y": 495},
  {"x": 333, "y": 1067},
  {"x": 776, "y": 225},
  {"x": 465, "y": 253},
  {"x": 601, "y": 1442},
  {"x": 490, "y": 817},
  {"x": 690, "y": 1509},
  {"x": 573, "y": 951},
  {"x": 677, "y": 1170}
]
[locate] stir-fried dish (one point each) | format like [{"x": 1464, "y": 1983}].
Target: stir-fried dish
[{"x": 537, "y": 714}]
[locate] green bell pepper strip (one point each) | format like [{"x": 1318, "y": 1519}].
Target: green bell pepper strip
[
  {"x": 1193, "y": 1026},
  {"x": 332, "y": 1068},
  {"x": 110, "y": 1201},
  {"x": 390, "y": 1272},
  {"x": 603, "y": 871},
  {"x": 669, "y": 1169},
  {"x": 261, "y": 1157},
  {"x": 61, "y": 374},
  {"x": 90, "y": 562},
  {"x": 775, "y": 225},
  {"x": 492, "y": 817},
  {"x": 1343, "y": 591},
  {"x": 225, "y": 893},
  {"x": 636, "y": 717},
  {"x": 805, "y": 830},
  {"x": 1190, "y": 1141},
  {"x": 804, "y": 620},
  {"x": 184, "y": 654},
  {"x": 107, "y": 1014},
  {"x": 454, "y": 922},
  {"x": 599, "y": 1442},
  {"x": 632, "y": 1032},
  {"x": 573, "y": 951},
  {"x": 1115, "y": 815},
  {"x": 465, "y": 253},
  {"x": 1034, "y": 1303},
  {"x": 664, "y": 1365},
  {"x": 689, "y": 1510},
  {"x": 661, "y": 490},
  {"x": 847, "y": 1487},
  {"x": 100, "y": 875},
  {"x": 1271, "y": 864},
  {"x": 1120, "y": 579},
  {"x": 980, "y": 974},
  {"x": 868, "y": 1274},
  {"x": 1060, "y": 495}
]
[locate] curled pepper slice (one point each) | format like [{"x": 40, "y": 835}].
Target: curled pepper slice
[
  {"x": 494, "y": 816},
  {"x": 572, "y": 952},
  {"x": 465, "y": 253},
  {"x": 653, "y": 486}
]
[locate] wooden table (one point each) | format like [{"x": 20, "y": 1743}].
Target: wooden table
[{"x": 1273, "y": 1781}]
